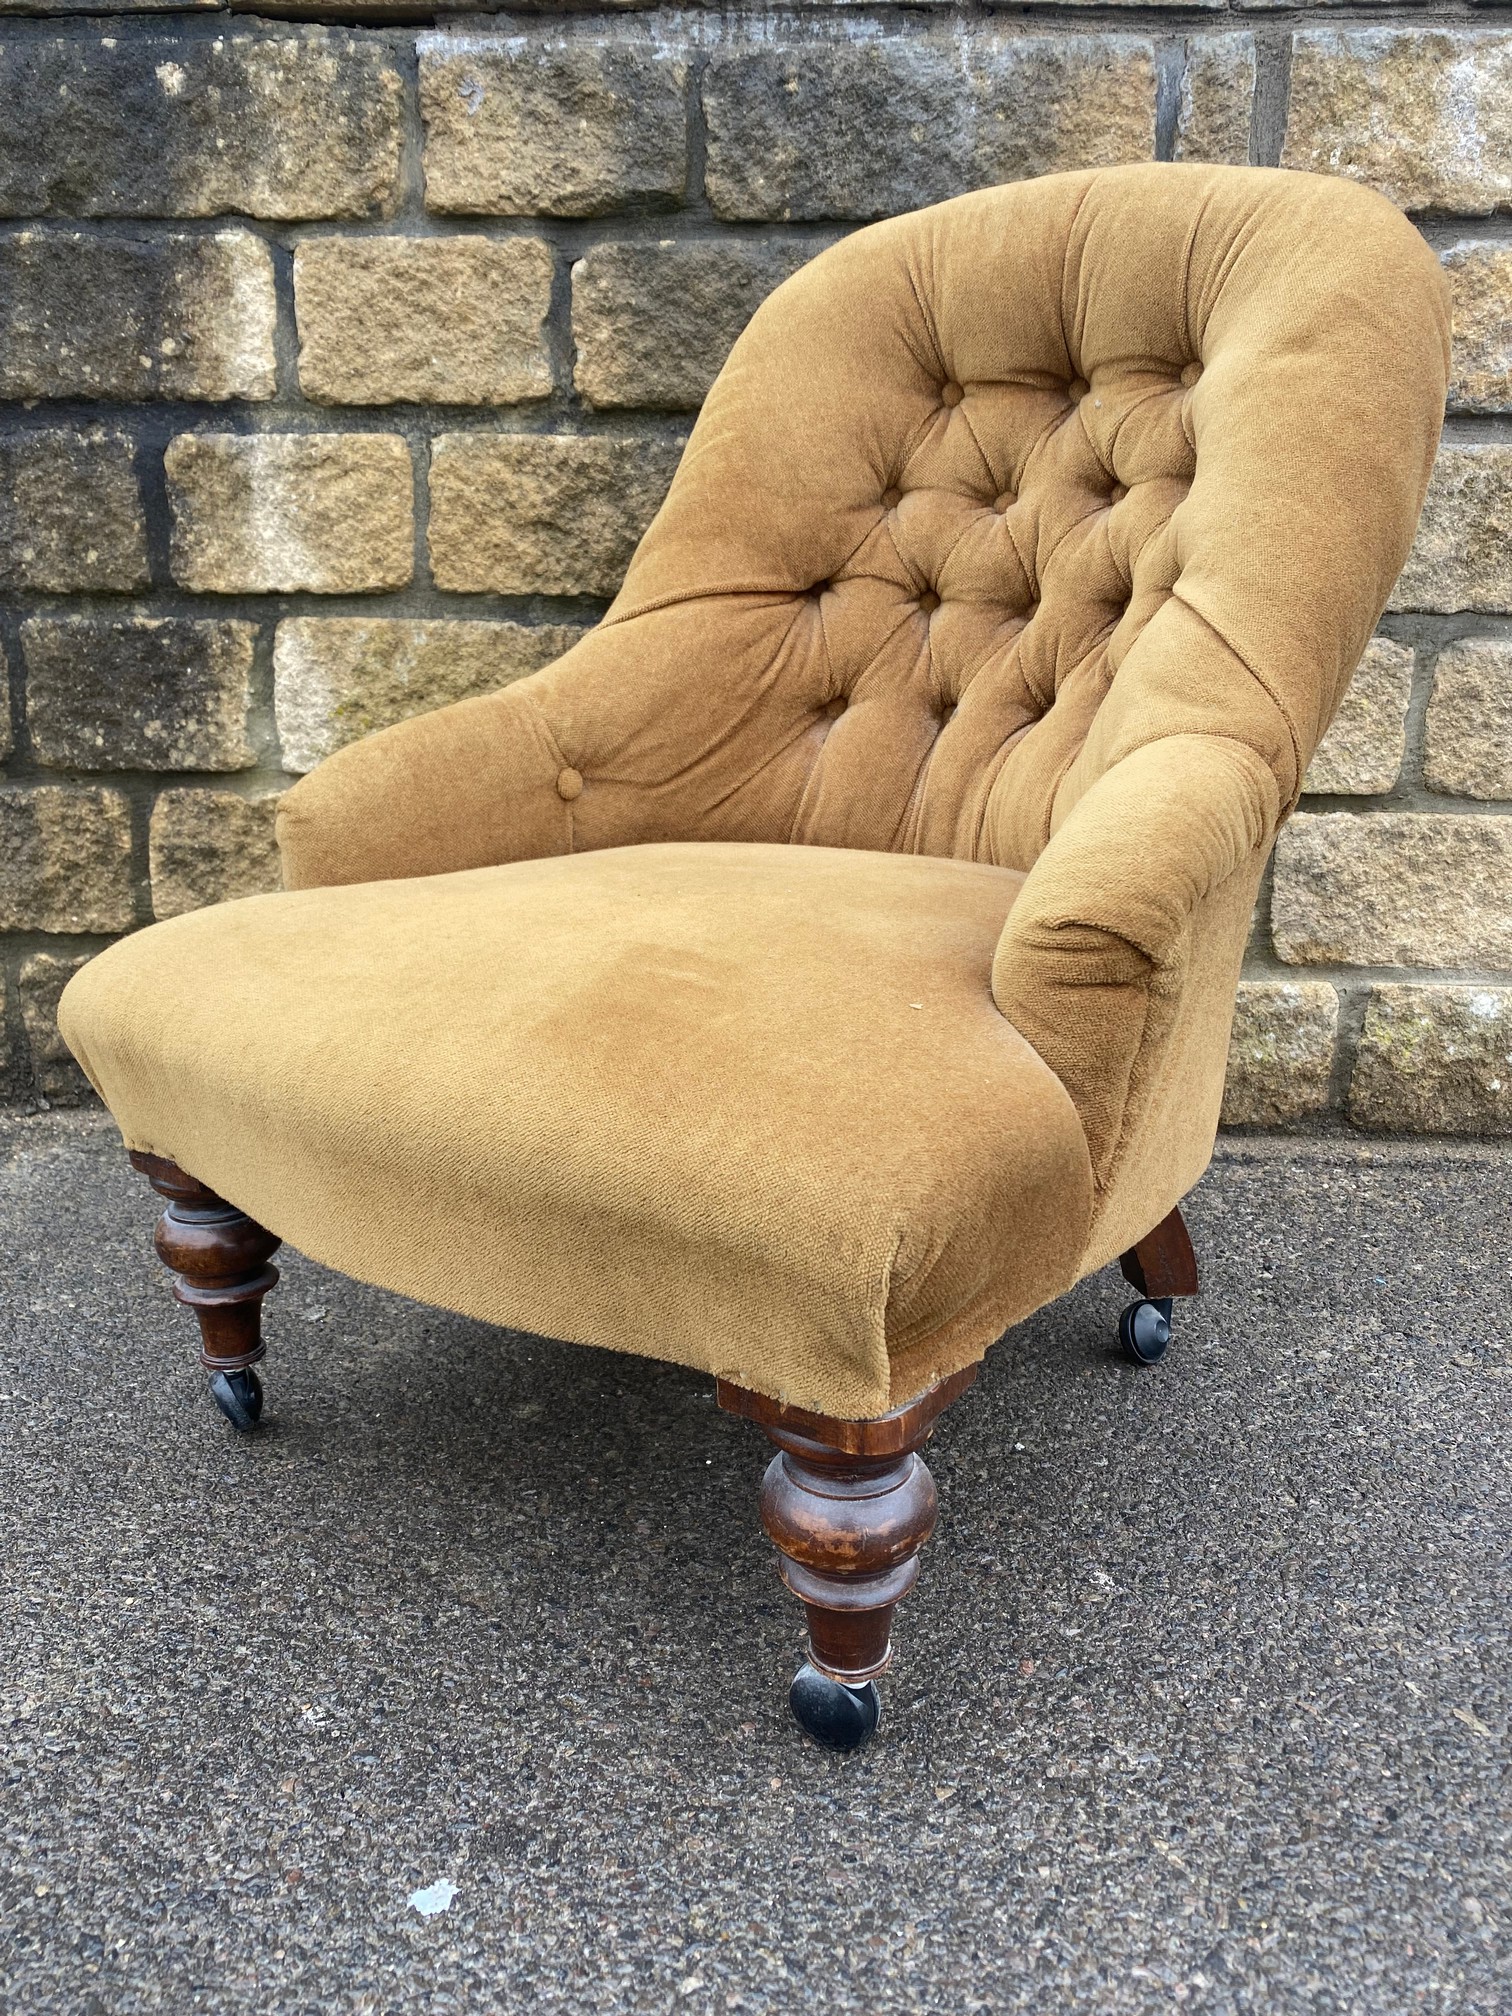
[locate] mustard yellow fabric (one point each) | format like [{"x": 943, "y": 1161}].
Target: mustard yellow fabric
[
  {"x": 616, "y": 1097},
  {"x": 1016, "y": 565}
]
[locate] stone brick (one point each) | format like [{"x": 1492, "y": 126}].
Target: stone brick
[
  {"x": 285, "y": 124},
  {"x": 456, "y": 320},
  {"x": 43, "y": 978},
  {"x": 169, "y": 317},
  {"x": 5, "y": 718},
  {"x": 542, "y": 514},
  {"x": 551, "y": 127},
  {"x": 1480, "y": 289},
  {"x": 1217, "y": 102},
  {"x": 149, "y": 693},
  {"x": 70, "y": 512},
  {"x": 263, "y": 514},
  {"x": 1462, "y": 556},
  {"x": 1394, "y": 889},
  {"x": 65, "y": 7},
  {"x": 862, "y": 129},
  {"x": 1281, "y": 1052},
  {"x": 65, "y": 859},
  {"x": 338, "y": 678},
  {"x": 1435, "y": 1060},
  {"x": 654, "y": 322},
  {"x": 1423, "y": 114},
  {"x": 210, "y": 847},
  {"x": 1469, "y": 739},
  {"x": 1363, "y": 749}
]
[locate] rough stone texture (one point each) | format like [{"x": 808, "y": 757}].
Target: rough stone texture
[
  {"x": 286, "y": 124},
  {"x": 1394, "y": 889},
  {"x": 1217, "y": 104},
  {"x": 1469, "y": 731},
  {"x": 1423, "y": 114},
  {"x": 1281, "y": 1053},
  {"x": 1364, "y": 748},
  {"x": 168, "y": 317},
  {"x": 461, "y": 321},
  {"x": 56, "y": 1075},
  {"x": 862, "y": 129},
  {"x": 1462, "y": 556},
  {"x": 122, "y": 133},
  {"x": 70, "y": 512},
  {"x": 1435, "y": 1060},
  {"x": 338, "y": 678},
  {"x": 275, "y": 513},
  {"x": 65, "y": 859},
  {"x": 54, "y": 7},
  {"x": 653, "y": 322},
  {"x": 150, "y": 693},
  {"x": 551, "y": 128},
  {"x": 210, "y": 847},
  {"x": 1480, "y": 288},
  {"x": 1203, "y": 1687},
  {"x": 546, "y": 514}
]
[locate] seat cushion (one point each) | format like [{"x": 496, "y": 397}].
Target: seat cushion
[{"x": 747, "y": 1107}]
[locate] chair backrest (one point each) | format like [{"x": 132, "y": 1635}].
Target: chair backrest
[{"x": 990, "y": 495}]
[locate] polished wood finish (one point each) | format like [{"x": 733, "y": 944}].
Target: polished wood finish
[
  {"x": 848, "y": 1504},
  {"x": 1163, "y": 1262},
  {"x": 220, "y": 1257}
]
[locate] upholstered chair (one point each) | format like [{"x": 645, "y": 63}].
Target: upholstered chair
[{"x": 831, "y": 958}]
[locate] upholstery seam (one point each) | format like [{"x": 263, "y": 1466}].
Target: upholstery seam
[
  {"x": 930, "y": 329},
  {"x": 976, "y": 443},
  {"x": 1264, "y": 685},
  {"x": 1081, "y": 204},
  {"x": 1155, "y": 392}
]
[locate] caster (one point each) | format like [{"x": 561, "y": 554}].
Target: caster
[
  {"x": 239, "y": 1396},
  {"x": 839, "y": 1717},
  {"x": 1144, "y": 1330}
]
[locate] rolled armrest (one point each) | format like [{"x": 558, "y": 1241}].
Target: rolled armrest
[
  {"x": 467, "y": 786},
  {"x": 1127, "y": 936}
]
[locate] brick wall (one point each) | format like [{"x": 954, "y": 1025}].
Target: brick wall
[{"x": 342, "y": 367}]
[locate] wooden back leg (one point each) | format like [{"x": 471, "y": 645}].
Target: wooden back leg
[{"x": 1161, "y": 1267}]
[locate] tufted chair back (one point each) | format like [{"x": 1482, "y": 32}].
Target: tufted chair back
[
  {"x": 988, "y": 495},
  {"x": 1041, "y": 529}
]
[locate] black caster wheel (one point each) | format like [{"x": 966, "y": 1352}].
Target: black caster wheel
[
  {"x": 839, "y": 1717},
  {"x": 239, "y": 1396},
  {"x": 1144, "y": 1330}
]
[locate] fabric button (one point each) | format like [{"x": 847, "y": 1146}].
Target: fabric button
[
  {"x": 1078, "y": 388},
  {"x": 835, "y": 708},
  {"x": 570, "y": 785},
  {"x": 951, "y": 393},
  {"x": 818, "y": 589},
  {"x": 1004, "y": 503},
  {"x": 1191, "y": 374},
  {"x": 892, "y": 499},
  {"x": 1118, "y": 493},
  {"x": 929, "y": 601}
]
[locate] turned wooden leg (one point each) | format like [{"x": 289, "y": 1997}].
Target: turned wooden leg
[
  {"x": 848, "y": 1505},
  {"x": 220, "y": 1257},
  {"x": 1159, "y": 1268}
]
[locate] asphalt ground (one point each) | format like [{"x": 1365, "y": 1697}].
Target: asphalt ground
[{"x": 1202, "y": 1702}]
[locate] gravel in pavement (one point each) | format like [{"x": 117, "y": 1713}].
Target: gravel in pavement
[{"x": 1202, "y": 1701}]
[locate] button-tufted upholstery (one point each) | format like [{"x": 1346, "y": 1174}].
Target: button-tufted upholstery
[{"x": 1039, "y": 531}]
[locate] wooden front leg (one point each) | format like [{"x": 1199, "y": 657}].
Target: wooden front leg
[
  {"x": 220, "y": 1258},
  {"x": 848, "y": 1505}
]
